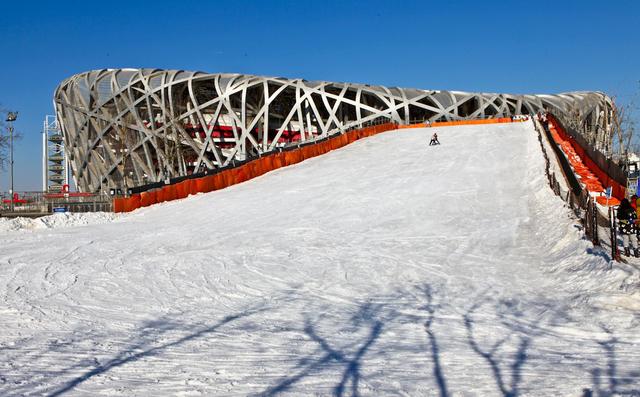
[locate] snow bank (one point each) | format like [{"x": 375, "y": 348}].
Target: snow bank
[{"x": 55, "y": 221}]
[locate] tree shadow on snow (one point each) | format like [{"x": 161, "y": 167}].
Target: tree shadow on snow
[
  {"x": 430, "y": 308},
  {"x": 608, "y": 382},
  {"x": 507, "y": 375},
  {"x": 145, "y": 345},
  {"x": 350, "y": 358},
  {"x": 370, "y": 321}
]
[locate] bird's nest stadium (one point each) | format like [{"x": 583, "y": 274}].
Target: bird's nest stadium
[{"x": 131, "y": 127}]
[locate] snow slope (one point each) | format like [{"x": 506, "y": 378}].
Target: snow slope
[{"x": 383, "y": 268}]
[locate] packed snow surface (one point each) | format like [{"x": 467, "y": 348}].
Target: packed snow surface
[{"x": 384, "y": 268}]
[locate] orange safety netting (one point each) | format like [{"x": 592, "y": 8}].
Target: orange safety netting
[
  {"x": 590, "y": 175},
  {"x": 612, "y": 202}
]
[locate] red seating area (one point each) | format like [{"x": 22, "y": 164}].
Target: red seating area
[
  {"x": 591, "y": 176},
  {"x": 223, "y": 132}
]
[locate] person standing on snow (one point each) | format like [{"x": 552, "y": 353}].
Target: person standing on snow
[
  {"x": 434, "y": 139},
  {"x": 627, "y": 227},
  {"x": 636, "y": 199}
]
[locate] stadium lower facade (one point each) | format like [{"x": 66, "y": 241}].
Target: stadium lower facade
[{"x": 131, "y": 127}]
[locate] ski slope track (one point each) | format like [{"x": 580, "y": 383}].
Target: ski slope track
[{"x": 387, "y": 267}]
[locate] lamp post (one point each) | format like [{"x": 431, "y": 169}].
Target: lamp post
[{"x": 11, "y": 117}]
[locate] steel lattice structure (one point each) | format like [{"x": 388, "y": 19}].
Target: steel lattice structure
[{"x": 130, "y": 127}]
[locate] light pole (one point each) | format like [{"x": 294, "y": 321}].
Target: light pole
[{"x": 11, "y": 117}]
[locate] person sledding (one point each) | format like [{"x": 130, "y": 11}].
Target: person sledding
[{"x": 434, "y": 139}]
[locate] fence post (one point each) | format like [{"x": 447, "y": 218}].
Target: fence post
[
  {"x": 571, "y": 201},
  {"x": 594, "y": 212},
  {"x": 614, "y": 241},
  {"x": 588, "y": 214},
  {"x": 587, "y": 220}
]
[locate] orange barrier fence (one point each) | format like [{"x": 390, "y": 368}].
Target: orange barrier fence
[
  {"x": 594, "y": 179},
  {"x": 245, "y": 171},
  {"x": 460, "y": 122}
]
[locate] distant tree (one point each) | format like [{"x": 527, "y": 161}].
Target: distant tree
[{"x": 623, "y": 129}]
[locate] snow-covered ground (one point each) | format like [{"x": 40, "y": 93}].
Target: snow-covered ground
[
  {"x": 385, "y": 268},
  {"x": 55, "y": 221}
]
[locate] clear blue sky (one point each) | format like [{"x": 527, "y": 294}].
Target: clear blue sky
[{"x": 491, "y": 46}]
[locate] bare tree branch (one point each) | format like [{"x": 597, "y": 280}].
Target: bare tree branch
[{"x": 623, "y": 128}]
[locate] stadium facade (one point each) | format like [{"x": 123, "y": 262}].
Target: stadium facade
[{"x": 131, "y": 127}]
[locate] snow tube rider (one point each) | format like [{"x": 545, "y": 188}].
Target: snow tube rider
[
  {"x": 434, "y": 139},
  {"x": 627, "y": 227}
]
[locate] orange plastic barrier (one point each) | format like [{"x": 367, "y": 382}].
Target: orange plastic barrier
[
  {"x": 216, "y": 182},
  {"x": 188, "y": 184},
  {"x": 595, "y": 187},
  {"x": 180, "y": 190},
  {"x": 241, "y": 174},
  {"x": 222, "y": 180},
  {"x": 131, "y": 203},
  {"x": 213, "y": 183},
  {"x": 192, "y": 186},
  {"x": 170, "y": 192},
  {"x": 278, "y": 160},
  {"x": 126, "y": 205},
  {"x": 307, "y": 152},
  {"x": 147, "y": 198},
  {"x": 200, "y": 184},
  {"x": 118, "y": 204},
  {"x": 266, "y": 164},
  {"x": 459, "y": 122},
  {"x": 590, "y": 174},
  {"x": 255, "y": 168},
  {"x": 291, "y": 157},
  {"x": 204, "y": 185},
  {"x": 160, "y": 196},
  {"x": 230, "y": 176},
  {"x": 612, "y": 202}
]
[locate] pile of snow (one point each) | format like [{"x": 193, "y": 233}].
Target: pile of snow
[
  {"x": 384, "y": 268},
  {"x": 55, "y": 221}
]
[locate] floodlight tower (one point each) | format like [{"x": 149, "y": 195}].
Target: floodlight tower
[
  {"x": 11, "y": 117},
  {"x": 55, "y": 167}
]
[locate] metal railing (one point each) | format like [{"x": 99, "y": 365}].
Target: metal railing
[
  {"x": 605, "y": 163},
  {"x": 34, "y": 203},
  {"x": 599, "y": 228}
]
